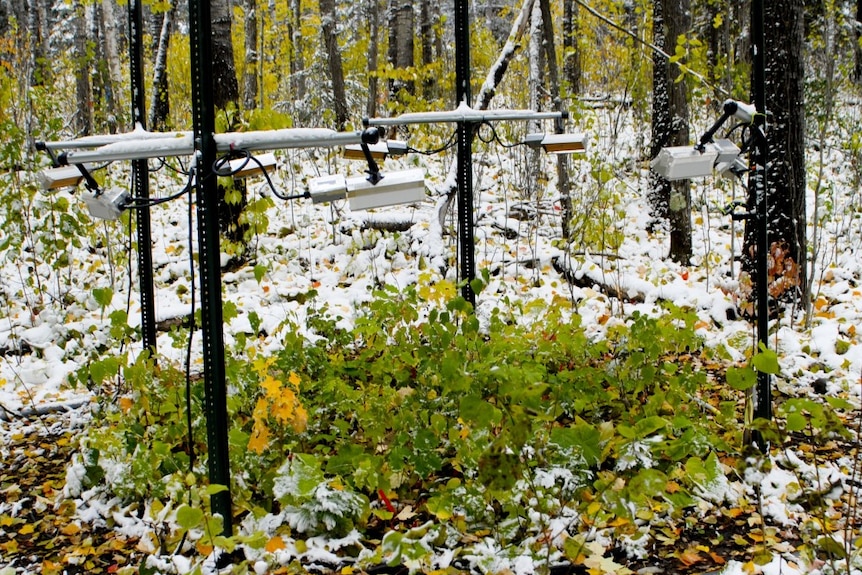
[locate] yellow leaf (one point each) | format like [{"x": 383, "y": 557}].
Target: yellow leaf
[
  {"x": 126, "y": 404},
  {"x": 274, "y": 544},
  {"x": 293, "y": 379},
  {"x": 271, "y": 385},
  {"x": 27, "y": 529},
  {"x": 70, "y": 530},
  {"x": 259, "y": 438},
  {"x": 203, "y": 548}
]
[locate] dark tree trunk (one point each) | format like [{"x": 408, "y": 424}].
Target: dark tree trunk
[
  {"x": 83, "y": 70},
  {"x": 336, "y": 69},
  {"x": 252, "y": 57},
  {"x": 671, "y": 201},
  {"x": 225, "y": 84},
  {"x": 297, "y": 62},
  {"x": 572, "y": 53},
  {"x": 373, "y": 56},
  {"x": 426, "y": 33},
  {"x": 38, "y": 25},
  {"x": 784, "y": 93}
]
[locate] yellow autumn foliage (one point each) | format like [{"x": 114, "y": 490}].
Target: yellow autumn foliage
[{"x": 279, "y": 403}]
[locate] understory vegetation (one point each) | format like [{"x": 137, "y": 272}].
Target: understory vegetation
[{"x": 420, "y": 436}]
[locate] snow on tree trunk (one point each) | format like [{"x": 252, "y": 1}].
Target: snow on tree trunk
[
  {"x": 249, "y": 80},
  {"x": 110, "y": 52},
  {"x": 483, "y": 100},
  {"x": 784, "y": 92},
  {"x": 159, "y": 97},
  {"x": 401, "y": 25},
  {"x": 373, "y": 56},
  {"x": 83, "y": 87},
  {"x": 336, "y": 69},
  {"x": 224, "y": 80},
  {"x": 670, "y": 201}
]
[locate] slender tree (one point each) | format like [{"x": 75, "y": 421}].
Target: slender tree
[
  {"x": 401, "y": 27},
  {"x": 83, "y": 86},
  {"x": 671, "y": 201},
  {"x": 224, "y": 79},
  {"x": 857, "y": 45},
  {"x": 571, "y": 51},
  {"x": 250, "y": 90},
  {"x": 373, "y": 7},
  {"x": 38, "y": 26},
  {"x": 329, "y": 32},
  {"x": 111, "y": 76},
  {"x": 159, "y": 97},
  {"x": 783, "y": 30}
]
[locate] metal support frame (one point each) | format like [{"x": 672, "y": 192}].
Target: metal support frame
[
  {"x": 215, "y": 386},
  {"x": 758, "y": 182},
  {"x": 141, "y": 182},
  {"x": 466, "y": 238}
]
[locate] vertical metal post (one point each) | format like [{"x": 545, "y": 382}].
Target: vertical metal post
[
  {"x": 141, "y": 182},
  {"x": 760, "y": 158},
  {"x": 215, "y": 388},
  {"x": 466, "y": 238}
]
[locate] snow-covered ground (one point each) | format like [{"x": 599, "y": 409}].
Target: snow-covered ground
[{"x": 48, "y": 336}]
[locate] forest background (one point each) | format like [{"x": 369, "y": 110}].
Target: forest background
[{"x": 604, "y": 445}]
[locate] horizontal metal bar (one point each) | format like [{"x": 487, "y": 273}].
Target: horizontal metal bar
[
  {"x": 106, "y": 139},
  {"x": 464, "y": 114},
  {"x": 182, "y": 144}
]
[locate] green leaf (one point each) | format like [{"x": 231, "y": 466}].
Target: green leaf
[
  {"x": 740, "y": 378},
  {"x": 103, "y": 296},
  {"x": 259, "y": 272},
  {"x": 766, "y": 361},
  {"x": 583, "y": 439},
  {"x": 796, "y": 421},
  {"x": 215, "y": 488},
  {"x": 189, "y": 517}
]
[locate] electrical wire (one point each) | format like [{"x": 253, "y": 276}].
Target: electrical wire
[
  {"x": 246, "y": 156},
  {"x": 190, "y": 445},
  {"x": 450, "y": 143}
]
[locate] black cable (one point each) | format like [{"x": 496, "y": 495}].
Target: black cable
[
  {"x": 450, "y": 143},
  {"x": 139, "y": 203},
  {"x": 219, "y": 164},
  {"x": 190, "y": 445}
]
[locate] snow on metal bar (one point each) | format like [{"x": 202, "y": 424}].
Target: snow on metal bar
[
  {"x": 142, "y": 144},
  {"x": 464, "y": 113}
]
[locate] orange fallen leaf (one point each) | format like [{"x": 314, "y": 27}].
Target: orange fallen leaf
[{"x": 274, "y": 544}]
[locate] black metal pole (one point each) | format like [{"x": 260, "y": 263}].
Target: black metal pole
[
  {"x": 141, "y": 182},
  {"x": 760, "y": 158},
  {"x": 466, "y": 238},
  {"x": 215, "y": 388}
]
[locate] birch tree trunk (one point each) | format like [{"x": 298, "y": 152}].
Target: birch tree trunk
[
  {"x": 252, "y": 57},
  {"x": 160, "y": 106},
  {"x": 110, "y": 52},
  {"x": 297, "y": 61},
  {"x": 401, "y": 25},
  {"x": 328, "y": 29},
  {"x": 83, "y": 85}
]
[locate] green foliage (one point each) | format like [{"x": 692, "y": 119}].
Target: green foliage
[{"x": 461, "y": 420}]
